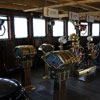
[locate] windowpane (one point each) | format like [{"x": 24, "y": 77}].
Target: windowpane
[
  {"x": 71, "y": 28},
  {"x": 95, "y": 29},
  {"x": 5, "y": 36},
  {"x": 58, "y": 28},
  {"x": 39, "y": 27},
  {"x": 21, "y": 30},
  {"x": 85, "y": 32}
]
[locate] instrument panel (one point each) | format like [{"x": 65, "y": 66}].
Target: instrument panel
[
  {"x": 53, "y": 60},
  {"x": 24, "y": 50},
  {"x": 47, "y": 49}
]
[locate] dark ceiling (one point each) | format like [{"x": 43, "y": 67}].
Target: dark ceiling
[{"x": 64, "y": 6}]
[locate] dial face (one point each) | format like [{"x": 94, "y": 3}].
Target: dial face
[
  {"x": 53, "y": 60},
  {"x": 47, "y": 49}
]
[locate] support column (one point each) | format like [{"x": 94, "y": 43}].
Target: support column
[{"x": 59, "y": 90}]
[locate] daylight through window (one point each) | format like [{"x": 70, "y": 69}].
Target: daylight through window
[
  {"x": 85, "y": 32},
  {"x": 39, "y": 28},
  {"x": 71, "y": 28},
  {"x": 95, "y": 29},
  {"x": 4, "y": 27},
  {"x": 20, "y": 25},
  {"x": 58, "y": 28}
]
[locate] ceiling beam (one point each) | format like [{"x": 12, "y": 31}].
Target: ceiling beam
[
  {"x": 76, "y": 6},
  {"x": 64, "y": 4},
  {"x": 93, "y": 13},
  {"x": 35, "y": 3},
  {"x": 89, "y": 7},
  {"x": 54, "y": 1},
  {"x": 60, "y": 1},
  {"x": 13, "y": 6}
]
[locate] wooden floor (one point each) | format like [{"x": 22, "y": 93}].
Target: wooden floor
[{"x": 76, "y": 90}]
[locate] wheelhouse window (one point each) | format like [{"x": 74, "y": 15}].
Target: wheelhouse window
[
  {"x": 58, "y": 28},
  {"x": 39, "y": 29},
  {"x": 71, "y": 28},
  {"x": 4, "y": 28},
  {"x": 84, "y": 32},
  {"x": 20, "y": 26},
  {"x": 95, "y": 29}
]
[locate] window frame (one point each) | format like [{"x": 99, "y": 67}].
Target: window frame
[
  {"x": 33, "y": 28},
  {"x": 92, "y": 28},
  {"x": 68, "y": 30},
  {"x": 63, "y": 28},
  {"x": 87, "y": 30},
  {"x": 7, "y": 28},
  {"x": 26, "y": 25}
]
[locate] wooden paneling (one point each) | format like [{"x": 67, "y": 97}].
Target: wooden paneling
[
  {"x": 89, "y": 7},
  {"x": 65, "y": 4},
  {"x": 61, "y": 5},
  {"x": 13, "y": 6},
  {"x": 29, "y": 3}
]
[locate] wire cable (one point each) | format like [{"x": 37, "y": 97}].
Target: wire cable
[{"x": 3, "y": 31}]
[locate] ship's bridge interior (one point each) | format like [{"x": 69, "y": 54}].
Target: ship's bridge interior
[{"x": 49, "y": 49}]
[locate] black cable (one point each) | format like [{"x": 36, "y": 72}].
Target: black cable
[
  {"x": 27, "y": 96},
  {"x": 4, "y": 31}
]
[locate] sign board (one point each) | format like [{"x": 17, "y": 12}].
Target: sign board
[
  {"x": 90, "y": 18},
  {"x": 73, "y": 16},
  {"x": 48, "y": 12}
]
